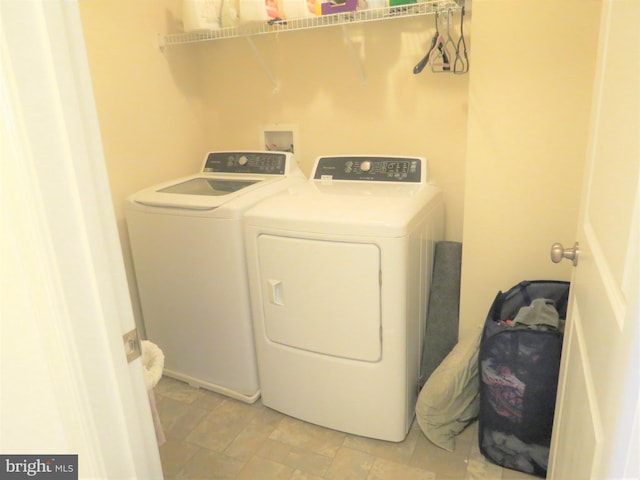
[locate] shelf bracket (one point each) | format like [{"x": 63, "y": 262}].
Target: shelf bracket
[
  {"x": 263, "y": 64},
  {"x": 354, "y": 53}
]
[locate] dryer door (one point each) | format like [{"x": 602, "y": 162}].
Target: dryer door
[{"x": 322, "y": 296}]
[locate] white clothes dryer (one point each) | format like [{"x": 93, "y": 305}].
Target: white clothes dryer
[
  {"x": 188, "y": 254},
  {"x": 340, "y": 268}
]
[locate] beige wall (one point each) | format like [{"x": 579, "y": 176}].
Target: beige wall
[
  {"x": 151, "y": 116},
  {"x": 529, "y": 105},
  {"x": 151, "y": 113},
  {"x": 160, "y": 112},
  {"x": 506, "y": 142},
  {"x": 171, "y": 107},
  {"x": 321, "y": 90}
]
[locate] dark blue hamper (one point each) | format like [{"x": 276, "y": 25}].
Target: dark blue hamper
[{"x": 519, "y": 363}]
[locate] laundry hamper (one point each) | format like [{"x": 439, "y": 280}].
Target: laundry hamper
[{"x": 519, "y": 362}]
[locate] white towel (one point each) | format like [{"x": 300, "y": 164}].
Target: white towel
[
  {"x": 152, "y": 363},
  {"x": 152, "y": 366}
]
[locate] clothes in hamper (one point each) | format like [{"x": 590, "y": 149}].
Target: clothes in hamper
[{"x": 513, "y": 453}]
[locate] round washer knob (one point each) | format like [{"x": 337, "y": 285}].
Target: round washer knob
[
  {"x": 243, "y": 160},
  {"x": 365, "y": 166}
]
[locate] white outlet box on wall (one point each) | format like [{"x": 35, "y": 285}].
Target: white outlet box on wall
[{"x": 281, "y": 138}]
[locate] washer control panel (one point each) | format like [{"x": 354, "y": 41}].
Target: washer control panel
[
  {"x": 369, "y": 168},
  {"x": 246, "y": 162}
]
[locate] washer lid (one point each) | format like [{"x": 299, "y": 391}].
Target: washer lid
[
  {"x": 225, "y": 176},
  {"x": 211, "y": 187},
  {"x": 200, "y": 192}
]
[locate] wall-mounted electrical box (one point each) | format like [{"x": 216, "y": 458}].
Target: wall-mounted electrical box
[{"x": 281, "y": 138}]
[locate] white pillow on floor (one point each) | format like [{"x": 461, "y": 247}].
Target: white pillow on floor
[{"x": 449, "y": 400}]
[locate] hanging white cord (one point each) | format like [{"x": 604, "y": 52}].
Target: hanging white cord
[
  {"x": 354, "y": 54},
  {"x": 263, "y": 64}
]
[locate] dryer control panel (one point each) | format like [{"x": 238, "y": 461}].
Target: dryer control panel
[
  {"x": 262, "y": 163},
  {"x": 370, "y": 168}
]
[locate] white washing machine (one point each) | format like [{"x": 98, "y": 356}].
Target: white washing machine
[
  {"x": 188, "y": 253},
  {"x": 340, "y": 268}
]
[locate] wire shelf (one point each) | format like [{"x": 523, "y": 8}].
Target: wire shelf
[{"x": 358, "y": 16}]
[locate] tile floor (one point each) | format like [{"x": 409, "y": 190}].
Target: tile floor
[{"x": 210, "y": 436}]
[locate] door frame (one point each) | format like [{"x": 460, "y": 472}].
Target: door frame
[{"x": 65, "y": 302}]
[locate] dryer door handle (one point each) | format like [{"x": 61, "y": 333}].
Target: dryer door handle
[{"x": 275, "y": 292}]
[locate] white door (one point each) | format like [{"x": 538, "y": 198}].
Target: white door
[
  {"x": 596, "y": 425},
  {"x": 67, "y": 387}
]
